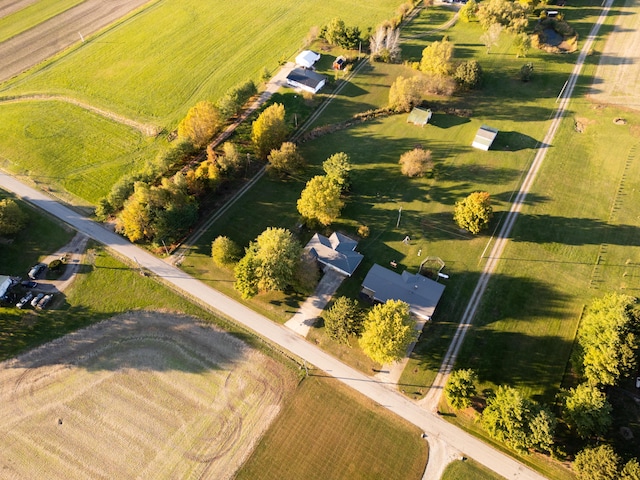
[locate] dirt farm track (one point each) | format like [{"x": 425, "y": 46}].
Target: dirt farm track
[
  {"x": 41, "y": 42},
  {"x": 143, "y": 395}
]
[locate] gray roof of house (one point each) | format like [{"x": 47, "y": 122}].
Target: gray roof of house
[
  {"x": 421, "y": 293},
  {"x": 337, "y": 251},
  {"x": 305, "y": 77}
]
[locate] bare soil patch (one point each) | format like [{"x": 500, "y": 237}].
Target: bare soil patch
[
  {"x": 9, "y": 7},
  {"x": 617, "y": 79},
  {"x": 143, "y": 395},
  {"x": 37, "y": 44}
]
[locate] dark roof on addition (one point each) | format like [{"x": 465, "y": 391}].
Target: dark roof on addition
[
  {"x": 337, "y": 252},
  {"x": 308, "y": 78},
  {"x": 421, "y": 293}
]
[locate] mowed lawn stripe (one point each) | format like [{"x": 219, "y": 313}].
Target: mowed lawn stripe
[{"x": 32, "y": 15}]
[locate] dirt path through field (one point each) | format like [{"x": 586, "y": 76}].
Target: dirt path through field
[
  {"x": 7, "y": 8},
  {"x": 144, "y": 128},
  {"x": 37, "y": 44},
  {"x": 143, "y": 395},
  {"x": 617, "y": 79}
]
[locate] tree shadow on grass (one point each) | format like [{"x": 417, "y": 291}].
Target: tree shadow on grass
[
  {"x": 444, "y": 120},
  {"x": 514, "y": 141}
]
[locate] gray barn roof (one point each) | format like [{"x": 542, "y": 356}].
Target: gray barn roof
[
  {"x": 485, "y": 137},
  {"x": 337, "y": 252},
  {"x": 300, "y": 77},
  {"x": 421, "y": 293}
]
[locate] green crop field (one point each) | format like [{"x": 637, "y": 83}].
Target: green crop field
[
  {"x": 328, "y": 432},
  {"x": 66, "y": 147},
  {"x": 160, "y": 62},
  {"x": 32, "y": 15}
]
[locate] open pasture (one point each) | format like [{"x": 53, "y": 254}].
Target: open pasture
[
  {"x": 142, "y": 395},
  {"x": 160, "y": 62},
  {"x": 68, "y": 148}
]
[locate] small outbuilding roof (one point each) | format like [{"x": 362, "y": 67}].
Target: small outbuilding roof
[
  {"x": 307, "y": 58},
  {"x": 421, "y": 293},
  {"x": 419, "y": 116},
  {"x": 306, "y": 79},
  {"x": 5, "y": 284},
  {"x": 484, "y": 138},
  {"x": 336, "y": 252}
]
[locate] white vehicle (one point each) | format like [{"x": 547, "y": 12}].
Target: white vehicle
[
  {"x": 36, "y": 270},
  {"x": 36, "y": 299},
  {"x": 45, "y": 301},
  {"x": 24, "y": 300}
]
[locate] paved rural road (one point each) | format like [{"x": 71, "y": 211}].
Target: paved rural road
[{"x": 433, "y": 397}]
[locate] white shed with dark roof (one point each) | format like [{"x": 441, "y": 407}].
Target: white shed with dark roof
[
  {"x": 307, "y": 80},
  {"x": 484, "y": 138}
]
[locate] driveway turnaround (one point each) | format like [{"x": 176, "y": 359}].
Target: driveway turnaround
[{"x": 280, "y": 336}]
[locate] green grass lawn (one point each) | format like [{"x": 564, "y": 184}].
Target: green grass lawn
[
  {"x": 329, "y": 432},
  {"x": 32, "y": 15},
  {"x": 67, "y": 148},
  {"x": 160, "y": 62},
  {"x": 468, "y": 469}
]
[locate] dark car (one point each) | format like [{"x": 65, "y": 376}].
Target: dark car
[
  {"x": 29, "y": 284},
  {"x": 36, "y": 270}
]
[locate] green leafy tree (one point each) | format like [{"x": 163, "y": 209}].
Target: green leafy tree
[
  {"x": 135, "y": 219},
  {"x": 225, "y": 251},
  {"x": 269, "y": 263},
  {"x": 234, "y": 99},
  {"x": 405, "y": 93},
  {"x": 286, "y": 159},
  {"x": 230, "y": 161},
  {"x": 468, "y": 11},
  {"x": 474, "y": 212},
  {"x": 436, "y": 58},
  {"x": 388, "y": 330},
  {"x": 522, "y": 42},
  {"x": 416, "y": 162},
  {"x": 12, "y": 218},
  {"x": 202, "y": 122},
  {"x": 342, "y": 319},
  {"x": 631, "y": 470},
  {"x": 526, "y": 72},
  {"x": 517, "y": 421},
  {"x": 587, "y": 410},
  {"x": 320, "y": 200},
  {"x": 337, "y": 33},
  {"x": 511, "y": 15},
  {"x": 468, "y": 75},
  {"x": 269, "y": 130},
  {"x": 338, "y": 168},
  {"x": 597, "y": 463},
  {"x": 608, "y": 339},
  {"x": 460, "y": 388}
]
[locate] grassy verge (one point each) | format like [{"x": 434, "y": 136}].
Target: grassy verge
[
  {"x": 305, "y": 443},
  {"x": 464, "y": 470},
  {"x": 32, "y": 15}
]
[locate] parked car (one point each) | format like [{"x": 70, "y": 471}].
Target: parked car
[
  {"x": 36, "y": 270},
  {"x": 45, "y": 301},
  {"x": 29, "y": 284},
  {"x": 24, "y": 300},
  {"x": 36, "y": 299},
  {"x": 637, "y": 382}
]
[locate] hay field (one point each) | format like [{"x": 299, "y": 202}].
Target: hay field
[
  {"x": 617, "y": 79},
  {"x": 143, "y": 395}
]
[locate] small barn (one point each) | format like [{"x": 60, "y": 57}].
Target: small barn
[
  {"x": 307, "y": 80},
  {"x": 307, "y": 58},
  {"x": 336, "y": 252},
  {"x": 419, "y": 116},
  {"x": 339, "y": 63},
  {"x": 484, "y": 138}
]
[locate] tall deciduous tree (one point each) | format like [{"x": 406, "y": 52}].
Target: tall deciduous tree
[
  {"x": 587, "y": 410},
  {"x": 468, "y": 74},
  {"x": 518, "y": 422},
  {"x": 597, "y": 463},
  {"x": 269, "y": 263},
  {"x": 474, "y": 212},
  {"x": 269, "y": 130},
  {"x": 286, "y": 159},
  {"x": 631, "y": 470},
  {"x": 416, "y": 162},
  {"x": 460, "y": 388},
  {"x": 468, "y": 11},
  {"x": 387, "y": 332},
  {"x": 491, "y": 36},
  {"x": 385, "y": 44},
  {"x": 511, "y": 15},
  {"x": 12, "y": 218},
  {"x": 320, "y": 200},
  {"x": 225, "y": 251},
  {"x": 338, "y": 168},
  {"x": 522, "y": 42},
  {"x": 436, "y": 58},
  {"x": 609, "y": 338},
  {"x": 405, "y": 93},
  {"x": 201, "y": 123},
  {"x": 342, "y": 319}
]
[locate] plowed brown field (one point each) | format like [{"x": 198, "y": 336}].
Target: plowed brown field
[{"x": 143, "y": 395}]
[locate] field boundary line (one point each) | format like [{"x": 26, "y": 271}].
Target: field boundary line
[{"x": 144, "y": 128}]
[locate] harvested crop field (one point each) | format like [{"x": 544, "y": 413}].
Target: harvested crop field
[
  {"x": 617, "y": 79},
  {"x": 142, "y": 395}
]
